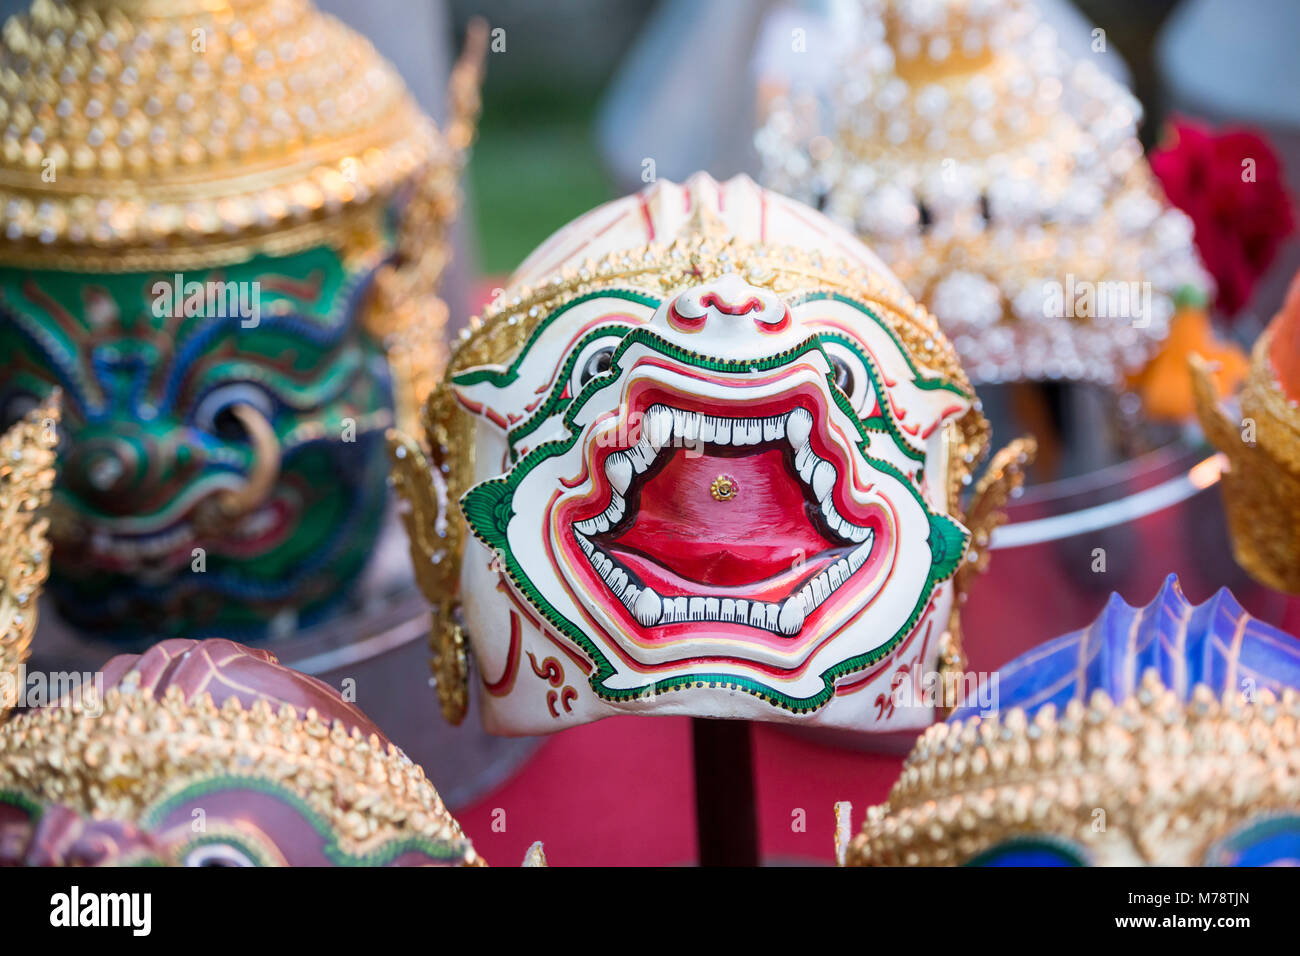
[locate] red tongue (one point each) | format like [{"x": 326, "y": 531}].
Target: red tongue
[{"x": 762, "y": 531}]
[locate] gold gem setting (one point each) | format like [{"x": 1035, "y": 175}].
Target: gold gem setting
[{"x": 724, "y": 488}]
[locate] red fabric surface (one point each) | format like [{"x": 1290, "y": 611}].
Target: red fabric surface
[
  {"x": 614, "y": 793},
  {"x": 620, "y": 792}
]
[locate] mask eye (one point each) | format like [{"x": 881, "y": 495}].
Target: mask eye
[
  {"x": 217, "y": 854},
  {"x": 849, "y": 375},
  {"x": 1030, "y": 851},
  {"x": 597, "y": 363},
  {"x": 215, "y": 413},
  {"x": 842, "y": 375},
  {"x": 1265, "y": 841}
]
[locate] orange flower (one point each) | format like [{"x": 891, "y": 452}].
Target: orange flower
[{"x": 1165, "y": 385}]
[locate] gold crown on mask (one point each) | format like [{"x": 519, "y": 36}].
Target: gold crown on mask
[
  {"x": 1149, "y": 736},
  {"x": 982, "y": 165},
  {"x": 432, "y": 476},
  {"x": 26, "y": 480},
  {"x": 157, "y": 135},
  {"x": 116, "y": 756},
  {"x": 1167, "y": 776},
  {"x": 198, "y": 133}
]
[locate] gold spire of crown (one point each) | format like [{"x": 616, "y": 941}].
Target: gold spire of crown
[
  {"x": 407, "y": 313},
  {"x": 26, "y": 479},
  {"x": 153, "y": 134}
]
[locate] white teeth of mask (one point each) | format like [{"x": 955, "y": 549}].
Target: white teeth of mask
[
  {"x": 618, "y": 469},
  {"x": 657, "y": 426},
  {"x": 665, "y": 428},
  {"x": 823, "y": 480},
  {"x": 648, "y": 607},
  {"x": 798, "y": 428}
]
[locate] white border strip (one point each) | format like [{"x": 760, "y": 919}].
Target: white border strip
[
  {"x": 1022, "y": 533},
  {"x": 364, "y": 650}
]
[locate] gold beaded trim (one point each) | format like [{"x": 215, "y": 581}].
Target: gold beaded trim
[
  {"x": 133, "y": 132},
  {"x": 117, "y": 761},
  {"x": 666, "y": 269},
  {"x": 1167, "y": 776}
]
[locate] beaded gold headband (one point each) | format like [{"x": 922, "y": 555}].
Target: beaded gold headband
[
  {"x": 152, "y": 136},
  {"x": 367, "y": 791},
  {"x": 1165, "y": 734},
  {"x": 1165, "y": 776}
]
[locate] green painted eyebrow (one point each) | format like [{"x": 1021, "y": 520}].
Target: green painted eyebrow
[
  {"x": 501, "y": 378},
  {"x": 922, "y": 381}
]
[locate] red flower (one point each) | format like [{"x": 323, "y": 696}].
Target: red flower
[{"x": 1241, "y": 210}]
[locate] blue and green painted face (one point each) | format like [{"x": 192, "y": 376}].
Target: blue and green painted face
[{"x": 221, "y": 455}]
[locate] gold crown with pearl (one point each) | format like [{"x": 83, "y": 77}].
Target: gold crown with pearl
[{"x": 1001, "y": 180}]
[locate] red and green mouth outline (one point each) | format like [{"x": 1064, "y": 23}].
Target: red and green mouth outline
[{"x": 489, "y": 506}]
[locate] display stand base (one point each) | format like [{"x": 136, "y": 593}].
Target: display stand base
[{"x": 726, "y": 816}]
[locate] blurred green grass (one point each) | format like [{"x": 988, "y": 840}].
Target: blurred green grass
[{"x": 532, "y": 171}]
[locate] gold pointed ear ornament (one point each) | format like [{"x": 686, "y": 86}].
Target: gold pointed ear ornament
[
  {"x": 27, "y": 461},
  {"x": 407, "y": 312},
  {"x": 1261, "y": 482},
  {"x": 410, "y": 317},
  {"x": 1002, "y": 480},
  {"x": 428, "y": 481}
]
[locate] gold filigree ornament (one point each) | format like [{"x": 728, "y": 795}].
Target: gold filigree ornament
[
  {"x": 26, "y": 479},
  {"x": 1148, "y": 780},
  {"x": 1261, "y": 485},
  {"x": 431, "y": 477},
  {"x": 194, "y": 134}
]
